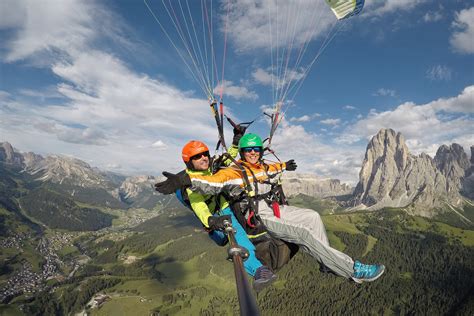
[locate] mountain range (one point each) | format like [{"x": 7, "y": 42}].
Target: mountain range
[
  {"x": 72, "y": 235},
  {"x": 390, "y": 176},
  {"x": 64, "y": 192}
]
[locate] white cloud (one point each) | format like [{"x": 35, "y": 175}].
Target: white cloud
[
  {"x": 263, "y": 77},
  {"x": 383, "y": 92},
  {"x": 4, "y": 95},
  {"x": 462, "y": 41},
  {"x": 382, "y": 7},
  {"x": 432, "y": 16},
  {"x": 88, "y": 136},
  {"x": 272, "y": 24},
  {"x": 265, "y": 24},
  {"x": 349, "y": 107},
  {"x": 463, "y": 103},
  {"x": 12, "y": 14},
  {"x": 334, "y": 122},
  {"x": 105, "y": 103},
  {"x": 314, "y": 156},
  {"x": 439, "y": 72},
  {"x": 305, "y": 118},
  {"x": 281, "y": 81},
  {"x": 425, "y": 127},
  {"x": 159, "y": 144},
  {"x": 49, "y": 25},
  {"x": 236, "y": 92}
]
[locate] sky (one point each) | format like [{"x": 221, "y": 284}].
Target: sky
[{"x": 113, "y": 82}]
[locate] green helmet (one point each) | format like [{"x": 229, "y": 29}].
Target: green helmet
[{"x": 250, "y": 140}]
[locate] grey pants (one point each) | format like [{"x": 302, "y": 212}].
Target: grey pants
[{"x": 305, "y": 228}]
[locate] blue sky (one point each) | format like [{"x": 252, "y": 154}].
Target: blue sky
[{"x": 100, "y": 81}]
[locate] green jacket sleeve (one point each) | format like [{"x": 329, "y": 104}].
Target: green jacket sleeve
[
  {"x": 233, "y": 151},
  {"x": 199, "y": 206}
]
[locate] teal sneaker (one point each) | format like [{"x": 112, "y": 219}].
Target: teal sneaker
[
  {"x": 367, "y": 272},
  {"x": 263, "y": 278}
]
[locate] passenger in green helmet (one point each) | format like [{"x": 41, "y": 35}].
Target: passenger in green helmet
[{"x": 251, "y": 142}]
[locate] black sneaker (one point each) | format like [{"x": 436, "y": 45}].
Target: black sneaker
[{"x": 263, "y": 277}]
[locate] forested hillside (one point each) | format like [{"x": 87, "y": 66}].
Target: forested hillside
[
  {"x": 167, "y": 266},
  {"x": 58, "y": 211}
]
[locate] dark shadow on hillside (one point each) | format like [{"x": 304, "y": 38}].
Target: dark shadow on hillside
[
  {"x": 149, "y": 267},
  {"x": 180, "y": 219},
  {"x": 185, "y": 220}
]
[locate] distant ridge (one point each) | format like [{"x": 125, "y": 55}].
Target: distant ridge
[
  {"x": 78, "y": 180},
  {"x": 310, "y": 184}
]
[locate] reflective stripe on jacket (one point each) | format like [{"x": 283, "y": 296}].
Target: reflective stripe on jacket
[{"x": 231, "y": 181}]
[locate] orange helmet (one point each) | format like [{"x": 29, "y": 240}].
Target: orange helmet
[{"x": 193, "y": 148}]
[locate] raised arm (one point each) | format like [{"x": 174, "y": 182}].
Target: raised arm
[{"x": 225, "y": 180}]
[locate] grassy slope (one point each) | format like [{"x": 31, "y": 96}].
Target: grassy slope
[
  {"x": 139, "y": 297},
  {"x": 195, "y": 283},
  {"x": 181, "y": 279}
]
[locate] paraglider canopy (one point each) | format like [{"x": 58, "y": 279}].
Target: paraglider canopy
[{"x": 345, "y": 8}]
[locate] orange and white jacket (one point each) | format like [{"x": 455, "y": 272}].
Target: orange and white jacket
[{"x": 231, "y": 180}]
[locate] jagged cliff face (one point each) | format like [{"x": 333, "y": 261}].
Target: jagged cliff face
[
  {"x": 296, "y": 183},
  {"x": 453, "y": 162},
  {"x": 9, "y": 156},
  {"x": 134, "y": 186},
  {"x": 31, "y": 160},
  {"x": 392, "y": 177},
  {"x": 468, "y": 184},
  {"x": 139, "y": 191}
]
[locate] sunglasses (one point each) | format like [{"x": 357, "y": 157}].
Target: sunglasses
[
  {"x": 250, "y": 149},
  {"x": 199, "y": 156}
]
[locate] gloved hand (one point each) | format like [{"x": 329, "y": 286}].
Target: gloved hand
[
  {"x": 173, "y": 182},
  {"x": 239, "y": 131},
  {"x": 291, "y": 165},
  {"x": 217, "y": 222}
]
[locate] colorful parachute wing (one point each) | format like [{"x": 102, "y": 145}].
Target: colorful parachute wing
[{"x": 345, "y": 8}]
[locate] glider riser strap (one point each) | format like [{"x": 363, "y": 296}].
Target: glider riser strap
[
  {"x": 247, "y": 302},
  {"x": 219, "y": 124}
]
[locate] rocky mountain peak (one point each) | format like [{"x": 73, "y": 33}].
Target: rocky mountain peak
[
  {"x": 468, "y": 184},
  {"x": 9, "y": 155},
  {"x": 391, "y": 176},
  {"x": 386, "y": 155},
  {"x": 59, "y": 169},
  {"x": 133, "y": 186},
  {"x": 385, "y": 148},
  {"x": 472, "y": 155},
  {"x": 453, "y": 162},
  {"x": 31, "y": 160}
]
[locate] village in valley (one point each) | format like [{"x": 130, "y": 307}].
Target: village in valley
[{"x": 51, "y": 259}]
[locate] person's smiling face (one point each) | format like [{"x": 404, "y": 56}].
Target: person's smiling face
[
  {"x": 200, "y": 161},
  {"x": 252, "y": 154}
]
